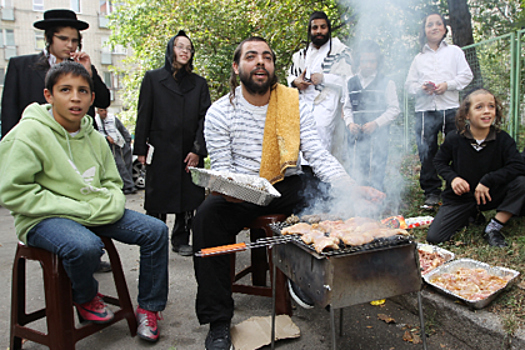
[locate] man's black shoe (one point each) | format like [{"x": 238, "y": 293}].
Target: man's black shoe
[
  {"x": 218, "y": 337},
  {"x": 299, "y": 296},
  {"x": 495, "y": 239},
  {"x": 183, "y": 249},
  {"x": 103, "y": 266},
  {"x": 130, "y": 191},
  {"x": 477, "y": 219},
  {"x": 432, "y": 199}
]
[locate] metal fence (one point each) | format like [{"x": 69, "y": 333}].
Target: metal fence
[{"x": 497, "y": 65}]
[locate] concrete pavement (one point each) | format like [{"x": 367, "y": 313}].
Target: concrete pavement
[{"x": 457, "y": 327}]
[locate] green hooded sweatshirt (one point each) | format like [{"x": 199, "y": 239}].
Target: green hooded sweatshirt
[{"x": 45, "y": 172}]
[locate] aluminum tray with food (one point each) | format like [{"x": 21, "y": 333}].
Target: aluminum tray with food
[
  {"x": 250, "y": 188},
  {"x": 431, "y": 257},
  {"x": 473, "y": 282}
]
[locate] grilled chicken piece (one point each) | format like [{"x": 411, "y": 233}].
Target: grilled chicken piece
[
  {"x": 297, "y": 229},
  {"x": 323, "y": 242},
  {"x": 356, "y": 239},
  {"x": 310, "y": 237}
]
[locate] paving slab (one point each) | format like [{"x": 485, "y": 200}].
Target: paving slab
[{"x": 457, "y": 327}]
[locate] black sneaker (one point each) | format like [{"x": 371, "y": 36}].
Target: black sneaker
[
  {"x": 218, "y": 337},
  {"x": 495, "y": 239},
  {"x": 299, "y": 296},
  {"x": 103, "y": 266},
  {"x": 432, "y": 199},
  {"x": 183, "y": 249}
]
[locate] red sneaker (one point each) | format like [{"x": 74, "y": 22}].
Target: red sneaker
[
  {"x": 95, "y": 311},
  {"x": 147, "y": 321}
]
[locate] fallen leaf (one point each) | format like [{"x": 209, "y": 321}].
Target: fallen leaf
[
  {"x": 416, "y": 339},
  {"x": 442, "y": 346},
  {"x": 459, "y": 243},
  {"x": 407, "y": 336},
  {"x": 369, "y": 327},
  {"x": 386, "y": 318},
  {"x": 522, "y": 285}
]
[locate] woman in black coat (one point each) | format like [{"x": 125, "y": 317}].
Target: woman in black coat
[
  {"x": 172, "y": 104},
  {"x": 24, "y": 79}
]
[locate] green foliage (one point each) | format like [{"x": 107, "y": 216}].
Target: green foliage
[{"x": 215, "y": 28}]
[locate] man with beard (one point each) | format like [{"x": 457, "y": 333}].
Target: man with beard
[
  {"x": 258, "y": 129},
  {"x": 319, "y": 71}
]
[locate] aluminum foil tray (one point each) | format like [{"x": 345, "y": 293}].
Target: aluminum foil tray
[
  {"x": 471, "y": 264},
  {"x": 250, "y": 188},
  {"x": 445, "y": 254}
]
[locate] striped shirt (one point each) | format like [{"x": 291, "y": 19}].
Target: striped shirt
[{"x": 234, "y": 139}]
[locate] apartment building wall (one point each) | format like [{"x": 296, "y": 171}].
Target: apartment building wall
[{"x": 19, "y": 37}]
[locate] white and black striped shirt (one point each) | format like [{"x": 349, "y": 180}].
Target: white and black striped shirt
[{"x": 234, "y": 139}]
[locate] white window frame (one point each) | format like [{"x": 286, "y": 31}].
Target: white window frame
[
  {"x": 40, "y": 37},
  {"x": 72, "y": 4},
  {"x": 109, "y": 7},
  {"x": 38, "y": 5}
]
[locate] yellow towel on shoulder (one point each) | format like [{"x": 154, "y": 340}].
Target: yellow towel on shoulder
[{"x": 281, "y": 134}]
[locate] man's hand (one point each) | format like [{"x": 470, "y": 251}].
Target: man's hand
[
  {"x": 83, "y": 59},
  {"x": 371, "y": 194},
  {"x": 429, "y": 89},
  {"x": 191, "y": 160},
  {"x": 300, "y": 82},
  {"x": 228, "y": 198},
  {"x": 110, "y": 140},
  {"x": 142, "y": 159},
  {"x": 354, "y": 128},
  {"x": 369, "y": 127},
  {"x": 316, "y": 78},
  {"x": 460, "y": 186},
  {"x": 441, "y": 88},
  {"x": 482, "y": 194}
]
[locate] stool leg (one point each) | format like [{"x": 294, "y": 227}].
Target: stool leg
[
  {"x": 59, "y": 305},
  {"x": 121, "y": 286},
  {"x": 258, "y": 260},
  {"x": 18, "y": 300},
  {"x": 283, "y": 304}
]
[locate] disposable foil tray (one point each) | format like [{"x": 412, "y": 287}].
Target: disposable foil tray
[
  {"x": 445, "y": 254},
  {"x": 249, "y": 188},
  {"x": 452, "y": 266}
]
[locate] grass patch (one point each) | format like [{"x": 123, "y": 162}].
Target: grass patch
[{"x": 469, "y": 243}]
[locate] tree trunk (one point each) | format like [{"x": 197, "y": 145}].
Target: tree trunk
[{"x": 460, "y": 22}]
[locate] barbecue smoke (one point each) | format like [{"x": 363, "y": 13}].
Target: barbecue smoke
[{"x": 393, "y": 25}]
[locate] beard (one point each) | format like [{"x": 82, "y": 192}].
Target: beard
[
  {"x": 320, "y": 41},
  {"x": 254, "y": 87}
]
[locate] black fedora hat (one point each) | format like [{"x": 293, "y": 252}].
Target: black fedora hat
[{"x": 60, "y": 18}]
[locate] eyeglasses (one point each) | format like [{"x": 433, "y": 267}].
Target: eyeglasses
[
  {"x": 185, "y": 48},
  {"x": 66, "y": 39}
]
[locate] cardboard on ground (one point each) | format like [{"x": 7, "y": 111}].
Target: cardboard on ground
[{"x": 255, "y": 332}]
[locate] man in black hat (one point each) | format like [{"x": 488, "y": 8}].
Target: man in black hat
[
  {"x": 24, "y": 80},
  {"x": 319, "y": 72}
]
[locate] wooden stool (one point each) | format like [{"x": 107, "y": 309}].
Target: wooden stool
[
  {"x": 259, "y": 265},
  {"x": 61, "y": 331}
]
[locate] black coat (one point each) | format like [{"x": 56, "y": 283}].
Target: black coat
[
  {"x": 171, "y": 118},
  {"x": 24, "y": 84}
]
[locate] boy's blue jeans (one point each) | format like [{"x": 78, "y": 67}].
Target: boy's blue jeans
[{"x": 80, "y": 249}]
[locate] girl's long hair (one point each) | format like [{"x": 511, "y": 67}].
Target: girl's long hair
[{"x": 464, "y": 108}]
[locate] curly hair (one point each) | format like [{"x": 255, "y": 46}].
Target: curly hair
[{"x": 464, "y": 108}]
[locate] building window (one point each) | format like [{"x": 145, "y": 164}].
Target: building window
[
  {"x": 75, "y": 5},
  {"x": 2, "y": 76},
  {"x": 106, "y": 7},
  {"x": 9, "y": 37},
  {"x": 107, "y": 80},
  {"x": 40, "y": 41},
  {"x": 38, "y": 5}
]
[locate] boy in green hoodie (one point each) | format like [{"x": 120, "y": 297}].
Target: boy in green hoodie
[{"x": 59, "y": 179}]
